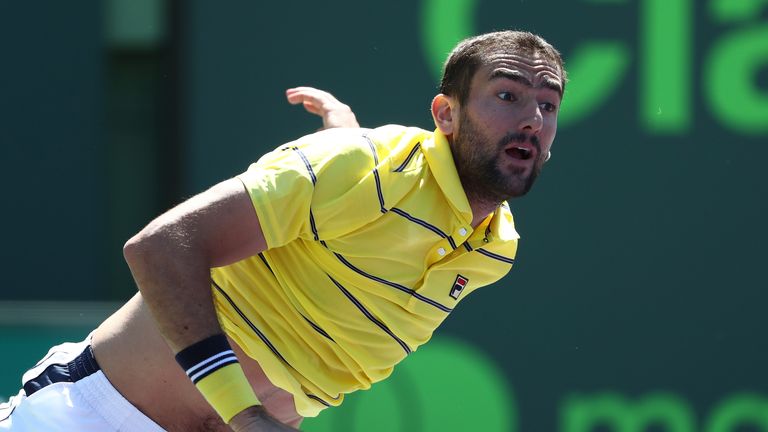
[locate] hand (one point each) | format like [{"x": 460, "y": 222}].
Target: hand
[
  {"x": 257, "y": 419},
  {"x": 334, "y": 113}
]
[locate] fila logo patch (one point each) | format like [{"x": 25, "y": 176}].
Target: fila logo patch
[{"x": 458, "y": 286}]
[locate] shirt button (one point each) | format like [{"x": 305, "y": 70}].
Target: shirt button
[
  {"x": 441, "y": 251},
  {"x": 462, "y": 231}
]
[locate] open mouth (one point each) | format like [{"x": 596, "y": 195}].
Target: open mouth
[{"x": 519, "y": 152}]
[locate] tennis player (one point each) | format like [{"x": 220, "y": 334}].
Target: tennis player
[{"x": 317, "y": 270}]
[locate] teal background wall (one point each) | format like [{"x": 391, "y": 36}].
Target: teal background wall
[
  {"x": 637, "y": 302},
  {"x": 52, "y": 149}
]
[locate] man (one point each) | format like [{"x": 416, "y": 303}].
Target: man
[{"x": 321, "y": 267}]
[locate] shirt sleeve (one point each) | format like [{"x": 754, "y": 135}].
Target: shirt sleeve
[{"x": 316, "y": 188}]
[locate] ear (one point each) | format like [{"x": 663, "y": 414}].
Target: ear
[{"x": 444, "y": 111}]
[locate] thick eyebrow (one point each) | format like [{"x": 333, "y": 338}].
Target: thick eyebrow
[{"x": 517, "y": 77}]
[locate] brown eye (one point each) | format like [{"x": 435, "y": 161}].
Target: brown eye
[
  {"x": 506, "y": 96},
  {"x": 548, "y": 107}
]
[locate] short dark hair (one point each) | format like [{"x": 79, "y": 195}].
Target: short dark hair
[{"x": 472, "y": 53}]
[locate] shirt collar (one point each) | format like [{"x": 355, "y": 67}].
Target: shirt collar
[{"x": 438, "y": 153}]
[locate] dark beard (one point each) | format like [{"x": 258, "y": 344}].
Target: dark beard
[{"x": 477, "y": 163}]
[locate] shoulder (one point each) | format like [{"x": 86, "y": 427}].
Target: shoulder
[
  {"x": 357, "y": 147},
  {"x": 391, "y": 138},
  {"x": 383, "y": 137}
]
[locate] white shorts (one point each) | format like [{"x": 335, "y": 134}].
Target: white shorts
[{"x": 90, "y": 403}]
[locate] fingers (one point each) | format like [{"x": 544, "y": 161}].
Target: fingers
[
  {"x": 318, "y": 98},
  {"x": 315, "y": 101},
  {"x": 333, "y": 112},
  {"x": 309, "y": 106}
]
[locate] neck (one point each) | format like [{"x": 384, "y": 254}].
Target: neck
[{"x": 481, "y": 210}]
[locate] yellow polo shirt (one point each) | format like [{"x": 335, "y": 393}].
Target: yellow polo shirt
[{"x": 370, "y": 247}]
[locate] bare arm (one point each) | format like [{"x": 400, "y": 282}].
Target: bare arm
[{"x": 171, "y": 260}]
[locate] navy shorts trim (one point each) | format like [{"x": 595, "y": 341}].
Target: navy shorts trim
[{"x": 82, "y": 366}]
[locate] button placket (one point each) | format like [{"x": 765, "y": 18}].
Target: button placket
[{"x": 461, "y": 236}]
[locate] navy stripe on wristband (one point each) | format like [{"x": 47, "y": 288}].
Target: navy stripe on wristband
[{"x": 206, "y": 357}]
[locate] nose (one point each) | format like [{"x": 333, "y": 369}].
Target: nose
[{"x": 532, "y": 120}]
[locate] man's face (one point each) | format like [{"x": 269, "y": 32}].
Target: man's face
[{"x": 506, "y": 126}]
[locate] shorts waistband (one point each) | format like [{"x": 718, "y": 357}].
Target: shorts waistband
[{"x": 83, "y": 365}]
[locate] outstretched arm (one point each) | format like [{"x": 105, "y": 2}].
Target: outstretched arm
[{"x": 334, "y": 113}]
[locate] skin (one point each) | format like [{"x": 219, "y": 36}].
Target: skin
[
  {"x": 334, "y": 113},
  {"x": 170, "y": 261},
  {"x": 512, "y": 102}
]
